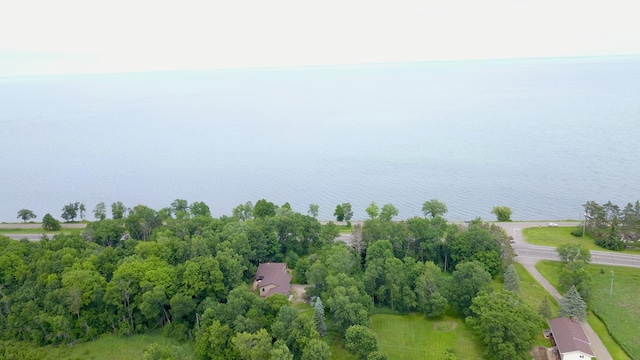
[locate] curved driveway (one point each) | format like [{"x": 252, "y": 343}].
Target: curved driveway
[{"x": 529, "y": 255}]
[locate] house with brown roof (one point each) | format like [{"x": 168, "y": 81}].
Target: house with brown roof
[
  {"x": 273, "y": 278},
  {"x": 570, "y": 340}
]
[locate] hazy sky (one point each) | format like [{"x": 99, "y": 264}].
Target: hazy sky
[{"x": 79, "y": 36}]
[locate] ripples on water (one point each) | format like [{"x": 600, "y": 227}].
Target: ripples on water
[{"x": 542, "y": 137}]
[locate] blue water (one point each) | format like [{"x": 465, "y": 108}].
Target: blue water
[{"x": 540, "y": 136}]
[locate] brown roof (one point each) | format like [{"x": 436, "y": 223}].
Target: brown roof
[
  {"x": 276, "y": 274},
  {"x": 569, "y": 336}
]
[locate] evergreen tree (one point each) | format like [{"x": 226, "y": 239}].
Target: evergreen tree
[
  {"x": 572, "y": 305},
  {"x": 511, "y": 279},
  {"x": 318, "y": 318},
  {"x": 545, "y": 309}
]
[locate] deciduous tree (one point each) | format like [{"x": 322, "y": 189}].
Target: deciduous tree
[
  {"x": 505, "y": 323},
  {"x": 313, "y": 210},
  {"x": 373, "y": 210},
  {"x": 434, "y": 208},
  {"x": 49, "y": 223},
  {"x": 388, "y": 212},
  {"x": 503, "y": 213},
  {"x": 100, "y": 211},
  {"x": 360, "y": 341},
  {"x": 26, "y": 215},
  {"x": 469, "y": 278}
]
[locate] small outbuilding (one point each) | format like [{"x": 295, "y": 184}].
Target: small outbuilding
[
  {"x": 273, "y": 278},
  {"x": 568, "y": 337}
]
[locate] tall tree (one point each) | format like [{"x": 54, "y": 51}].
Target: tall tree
[
  {"x": 180, "y": 208},
  {"x": 81, "y": 210},
  {"x": 434, "y": 208},
  {"x": 118, "y": 210},
  {"x": 49, "y": 223},
  {"x": 469, "y": 278},
  {"x": 26, "y": 214},
  {"x": 511, "y": 279},
  {"x": 545, "y": 309},
  {"x": 348, "y": 213},
  {"x": 244, "y": 211},
  {"x": 318, "y": 317},
  {"x": 264, "y": 208},
  {"x": 503, "y": 213},
  {"x": 505, "y": 323},
  {"x": 573, "y": 252},
  {"x": 572, "y": 305},
  {"x": 360, "y": 341},
  {"x": 316, "y": 349},
  {"x": 100, "y": 211},
  {"x": 373, "y": 210},
  {"x": 388, "y": 212},
  {"x": 339, "y": 213},
  {"x": 70, "y": 211},
  {"x": 199, "y": 208},
  {"x": 313, "y": 210},
  {"x": 253, "y": 346}
]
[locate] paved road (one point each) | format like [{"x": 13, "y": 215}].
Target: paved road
[
  {"x": 527, "y": 252},
  {"x": 529, "y": 255}
]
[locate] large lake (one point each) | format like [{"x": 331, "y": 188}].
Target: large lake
[{"x": 540, "y": 136}]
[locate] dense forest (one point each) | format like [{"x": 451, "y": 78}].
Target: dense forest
[{"x": 181, "y": 271}]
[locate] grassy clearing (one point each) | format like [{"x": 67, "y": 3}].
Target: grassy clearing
[
  {"x": 39, "y": 231},
  {"x": 414, "y": 337},
  {"x": 112, "y": 347},
  {"x": 620, "y": 313},
  {"x": 532, "y": 293},
  {"x": 554, "y": 236}
]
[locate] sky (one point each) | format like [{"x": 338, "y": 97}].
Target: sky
[{"x": 95, "y": 36}]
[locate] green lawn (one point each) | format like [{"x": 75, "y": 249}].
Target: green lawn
[
  {"x": 39, "y": 231},
  {"x": 112, "y": 347},
  {"x": 620, "y": 313},
  {"x": 532, "y": 293},
  {"x": 414, "y": 337},
  {"x": 554, "y": 236}
]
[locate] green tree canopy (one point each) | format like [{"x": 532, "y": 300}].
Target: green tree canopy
[
  {"x": 469, "y": 278},
  {"x": 388, "y": 212},
  {"x": 505, "y": 323},
  {"x": 572, "y": 305},
  {"x": 360, "y": 341},
  {"x": 49, "y": 223},
  {"x": 372, "y": 210},
  {"x": 434, "y": 208},
  {"x": 503, "y": 213},
  {"x": 26, "y": 215}
]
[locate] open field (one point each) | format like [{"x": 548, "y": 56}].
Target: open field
[
  {"x": 113, "y": 347},
  {"x": 4, "y": 231},
  {"x": 620, "y": 313},
  {"x": 554, "y": 236},
  {"x": 414, "y": 337}
]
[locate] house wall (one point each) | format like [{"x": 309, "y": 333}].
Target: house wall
[{"x": 576, "y": 355}]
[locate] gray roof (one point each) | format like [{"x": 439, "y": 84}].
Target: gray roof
[
  {"x": 570, "y": 336},
  {"x": 276, "y": 274}
]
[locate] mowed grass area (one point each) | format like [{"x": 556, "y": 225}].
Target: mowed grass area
[
  {"x": 111, "y": 347},
  {"x": 620, "y": 314},
  {"x": 414, "y": 337},
  {"x": 39, "y": 231},
  {"x": 532, "y": 293},
  {"x": 554, "y": 236}
]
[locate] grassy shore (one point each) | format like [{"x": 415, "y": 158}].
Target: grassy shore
[{"x": 618, "y": 317}]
